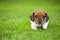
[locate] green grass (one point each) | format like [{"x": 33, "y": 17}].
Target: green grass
[{"x": 15, "y": 21}]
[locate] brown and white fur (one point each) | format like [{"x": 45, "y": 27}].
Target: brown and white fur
[{"x": 39, "y": 18}]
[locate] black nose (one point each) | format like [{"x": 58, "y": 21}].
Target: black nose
[{"x": 39, "y": 21}]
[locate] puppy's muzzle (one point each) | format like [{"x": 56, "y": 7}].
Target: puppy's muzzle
[{"x": 40, "y": 21}]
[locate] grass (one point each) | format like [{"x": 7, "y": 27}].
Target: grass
[{"x": 15, "y": 21}]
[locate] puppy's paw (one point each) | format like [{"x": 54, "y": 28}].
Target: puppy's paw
[
  {"x": 34, "y": 28},
  {"x": 45, "y": 25}
]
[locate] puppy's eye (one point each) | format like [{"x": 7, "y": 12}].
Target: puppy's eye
[
  {"x": 36, "y": 16},
  {"x": 43, "y": 16}
]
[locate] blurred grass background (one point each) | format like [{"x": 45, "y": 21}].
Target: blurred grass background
[{"x": 15, "y": 21}]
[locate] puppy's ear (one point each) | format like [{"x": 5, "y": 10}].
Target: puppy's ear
[
  {"x": 32, "y": 16},
  {"x": 47, "y": 17}
]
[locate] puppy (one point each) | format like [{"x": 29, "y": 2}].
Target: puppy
[{"x": 39, "y": 18}]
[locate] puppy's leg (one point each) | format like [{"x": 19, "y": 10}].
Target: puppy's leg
[
  {"x": 45, "y": 25},
  {"x": 33, "y": 25}
]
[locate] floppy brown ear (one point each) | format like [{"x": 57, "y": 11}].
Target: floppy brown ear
[
  {"x": 32, "y": 17},
  {"x": 47, "y": 17}
]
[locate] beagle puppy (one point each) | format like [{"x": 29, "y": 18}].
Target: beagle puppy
[{"x": 39, "y": 18}]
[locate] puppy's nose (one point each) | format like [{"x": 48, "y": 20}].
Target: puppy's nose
[{"x": 39, "y": 21}]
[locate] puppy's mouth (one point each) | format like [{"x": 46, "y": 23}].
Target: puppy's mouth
[{"x": 39, "y": 24}]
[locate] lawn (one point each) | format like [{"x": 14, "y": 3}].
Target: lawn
[{"x": 15, "y": 20}]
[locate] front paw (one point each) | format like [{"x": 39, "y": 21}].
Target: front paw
[
  {"x": 44, "y": 27},
  {"x": 34, "y": 28}
]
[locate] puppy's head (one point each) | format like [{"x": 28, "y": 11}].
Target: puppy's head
[{"x": 39, "y": 17}]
